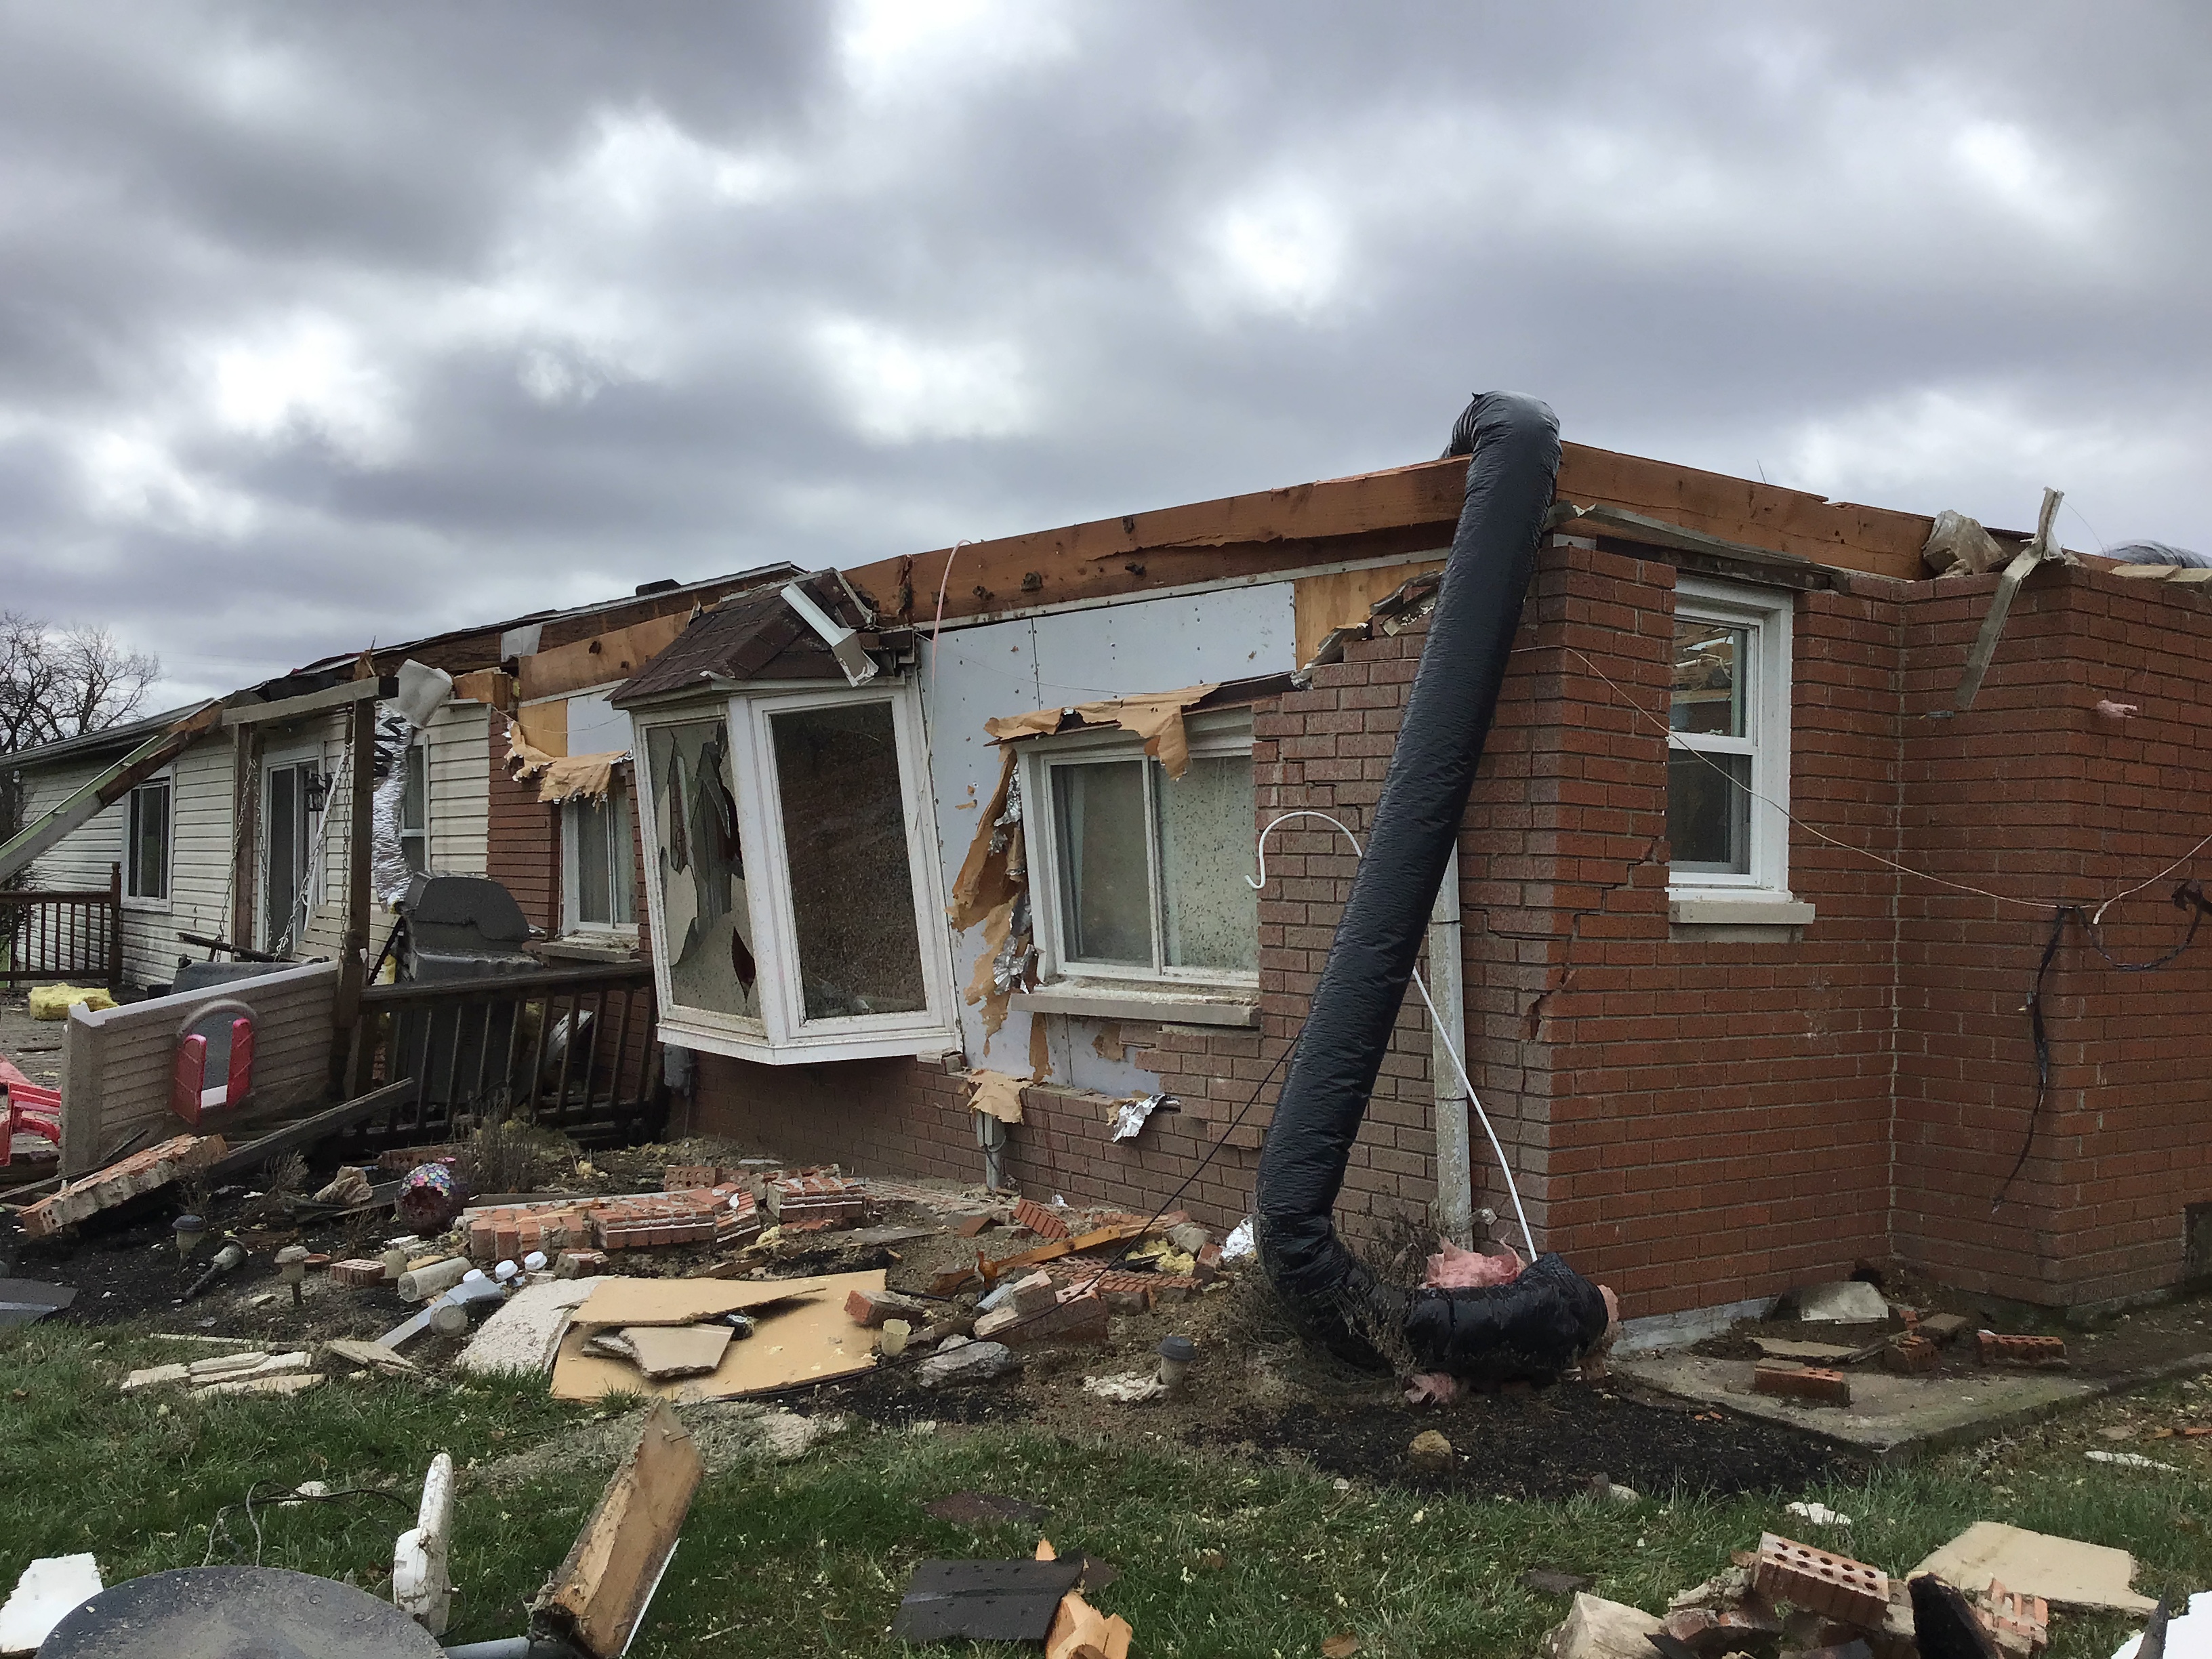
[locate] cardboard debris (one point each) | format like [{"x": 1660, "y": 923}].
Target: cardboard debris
[
  {"x": 796, "y": 1341},
  {"x": 663, "y": 1351},
  {"x": 618, "y": 1301},
  {"x": 1599, "y": 1629},
  {"x": 2071, "y": 1576}
]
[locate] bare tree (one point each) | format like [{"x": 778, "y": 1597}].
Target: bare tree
[{"x": 58, "y": 683}]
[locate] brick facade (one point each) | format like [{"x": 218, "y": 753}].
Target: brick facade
[{"x": 1697, "y": 1120}]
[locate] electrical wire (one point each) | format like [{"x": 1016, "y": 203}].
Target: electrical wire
[
  {"x": 282, "y": 1498},
  {"x": 1638, "y": 709},
  {"x": 1527, "y": 1235}
]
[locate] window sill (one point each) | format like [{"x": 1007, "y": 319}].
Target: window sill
[
  {"x": 1176, "y": 1005},
  {"x": 1752, "y": 918},
  {"x": 705, "y": 1033},
  {"x": 146, "y": 907},
  {"x": 586, "y": 947}
]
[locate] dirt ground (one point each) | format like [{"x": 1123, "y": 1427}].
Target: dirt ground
[
  {"x": 1256, "y": 1388},
  {"x": 36, "y": 1045}
]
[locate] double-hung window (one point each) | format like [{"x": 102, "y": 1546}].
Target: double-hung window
[
  {"x": 1138, "y": 877},
  {"x": 1728, "y": 755},
  {"x": 792, "y": 875},
  {"x": 146, "y": 844},
  {"x": 595, "y": 863}
]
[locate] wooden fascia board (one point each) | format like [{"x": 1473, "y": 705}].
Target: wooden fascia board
[
  {"x": 1409, "y": 510},
  {"x": 313, "y": 702}
]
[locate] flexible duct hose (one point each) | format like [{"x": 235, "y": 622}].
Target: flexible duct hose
[{"x": 1536, "y": 1325}]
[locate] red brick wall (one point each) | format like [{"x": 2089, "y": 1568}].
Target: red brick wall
[
  {"x": 2032, "y": 794},
  {"x": 524, "y": 852}
]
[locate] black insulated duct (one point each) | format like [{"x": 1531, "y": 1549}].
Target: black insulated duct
[{"x": 1537, "y": 1326}]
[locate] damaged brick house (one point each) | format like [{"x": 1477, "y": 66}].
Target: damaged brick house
[{"x": 1745, "y": 916}]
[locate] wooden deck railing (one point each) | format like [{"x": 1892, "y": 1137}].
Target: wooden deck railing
[
  {"x": 78, "y": 937},
  {"x": 571, "y": 1050}
]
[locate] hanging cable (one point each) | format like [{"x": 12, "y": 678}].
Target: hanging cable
[{"x": 1527, "y": 1235}]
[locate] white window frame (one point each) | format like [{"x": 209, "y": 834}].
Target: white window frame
[
  {"x": 621, "y": 878},
  {"x": 1222, "y": 732},
  {"x": 417, "y": 753},
  {"x": 783, "y": 1035},
  {"x": 274, "y": 761},
  {"x": 149, "y": 903},
  {"x": 1760, "y": 895}
]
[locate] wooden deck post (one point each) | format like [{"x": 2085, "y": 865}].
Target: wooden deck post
[{"x": 115, "y": 926}]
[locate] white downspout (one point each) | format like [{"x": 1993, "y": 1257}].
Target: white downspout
[{"x": 1448, "y": 991}]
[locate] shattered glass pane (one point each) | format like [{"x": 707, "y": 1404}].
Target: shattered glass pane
[
  {"x": 1709, "y": 817},
  {"x": 851, "y": 879},
  {"x": 1106, "y": 901},
  {"x": 1207, "y": 822},
  {"x": 700, "y": 869}
]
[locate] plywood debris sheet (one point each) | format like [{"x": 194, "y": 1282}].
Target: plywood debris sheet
[
  {"x": 796, "y": 1341},
  {"x": 2071, "y": 1576}
]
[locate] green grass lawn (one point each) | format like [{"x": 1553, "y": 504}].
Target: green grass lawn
[{"x": 809, "y": 1557}]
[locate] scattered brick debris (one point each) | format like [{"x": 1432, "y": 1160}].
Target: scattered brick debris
[
  {"x": 681, "y": 1177},
  {"x": 2041, "y": 1353},
  {"x": 1909, "y": 1354},
  {"x": 120, "y": 1182},
  {"x": 1809, "y": 1382},
  {"x": 359, "y": 1274},
  {"x": 1039, "y": 1220},
  {"x": 1821, "y": 1581},
  {"x": 816, "y": 1195},
  {"x": 2021, "y": 1623}
]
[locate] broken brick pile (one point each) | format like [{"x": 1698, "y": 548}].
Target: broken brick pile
[
  {"x": 120, "y": 1182},
  {"x": 813, "y": 1195},
  {"x": 726, "y": 1213}
]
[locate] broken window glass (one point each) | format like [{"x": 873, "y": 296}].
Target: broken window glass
[
  {"x": 1211, "y": 913},
  {"x": 700, "y": 867},
  {"x": 1710, "y": 760},
  {"x": 1098, "y": 821},
  {"x": 844, "y": 814}
]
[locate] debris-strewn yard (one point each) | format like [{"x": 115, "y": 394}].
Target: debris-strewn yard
[{"x": 1219, "y": 1552}]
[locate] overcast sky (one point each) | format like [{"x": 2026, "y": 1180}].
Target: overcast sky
[{"x": 322, "y": 324}]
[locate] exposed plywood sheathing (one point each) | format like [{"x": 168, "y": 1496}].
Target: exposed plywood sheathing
[
  {"x": 613, "y": 655},
  {"x": 1342, "y": 597}
]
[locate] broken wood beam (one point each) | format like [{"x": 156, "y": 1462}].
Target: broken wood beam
[
  {"x": 293, "y": 1137},
  {"x": 600, "y": 1593}
]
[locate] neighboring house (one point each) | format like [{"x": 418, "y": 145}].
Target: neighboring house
[
  {"x": 243, "y": 837},
  {"x": 1727, "y": 1055}
]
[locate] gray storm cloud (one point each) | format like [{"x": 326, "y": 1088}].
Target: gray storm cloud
[{"x": 322, "y": 326}]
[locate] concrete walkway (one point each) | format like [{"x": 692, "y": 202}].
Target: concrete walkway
[{"x": 1890, "y": 1417}]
